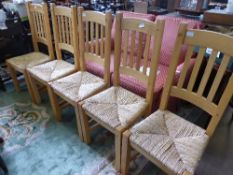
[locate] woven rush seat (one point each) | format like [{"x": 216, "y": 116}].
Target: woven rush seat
[
  {"x": 175, "y": 142},
  {"x": 28, "y": 60},
  {"x": 52, "y": 70},
  {"x": 78, "y": 86},
  {"x": 115, "y": 106}
]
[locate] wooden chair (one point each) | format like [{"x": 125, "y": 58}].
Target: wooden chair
[
  {"x": 97, "y": 39},
  {"x": 172, "y": 143},
  {"x": 41, "y": 33},
  {"x": 65, "y": 29},
  {"x": 116, "y": 108}
]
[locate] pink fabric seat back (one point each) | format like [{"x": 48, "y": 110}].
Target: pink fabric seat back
[{"x": 169, "y": 37}]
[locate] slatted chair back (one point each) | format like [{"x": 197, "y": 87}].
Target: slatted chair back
[
  {"x": 129, "y": 58},
  {"x": 65, "y": 28},
  {"x": 95, "y": 39},
  {"x": 40, "y": 27},
  {"x": 202, "y": 91}
]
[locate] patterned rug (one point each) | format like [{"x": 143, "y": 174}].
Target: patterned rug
[
  {"x": 36, "y": 144},
  {"x": 20, "y": 124}
]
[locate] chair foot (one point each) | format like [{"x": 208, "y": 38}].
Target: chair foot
[
  {"x": 125, "y": 154},
  {"x": 84, "y": 125},
  {"x": 78, "y": 121},
  {"x": 34, "y": 89},
  {"x": 13, "y": 75},
  {"x": 33, "y": 98},
  {"x": 54, "y": 103},
  {"x": 118, "y": 151}
]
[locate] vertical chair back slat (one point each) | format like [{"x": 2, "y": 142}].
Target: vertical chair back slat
[
  {"x": 196, "y": 68},
  {"x": 133, "y": 31},
  {"x": 87, "y": 36},
  {"x": 206, "y": 84},
  {"x": 207, "y": 73},
  {"x": 125, "y": 54},
  {"x": 131, "y": 57},
  {"x": 63, "y": 40},
  {"x": 218, "y": 78},
  {"x": 185, "y": 67},
  {"x": 102, "y": 41},
  {"x": 67, "y": 30},
  {"x": 96, "y": 45},
  {"x": 146, "y": 53},
  {"x": 65, "y": 26},
  {"x": 97, "y": 36},
  {"x": 40, "y": 27},
  {"x": 92, "y": 37},
  {"x": 139, "y": 52}
]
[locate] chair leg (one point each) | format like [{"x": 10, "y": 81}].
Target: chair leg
[
  {"x": 29, "y": 86},
  {"x": 118, "y": 136},
  {"x": 78, "y": 122},
  {"x": 125, "y": 154},
  {"x": 14, "y": 77},
  {"x": 84, "y": 125},
  {"x": 34, "y": 89},
  {"x": 54, "y": 103}
]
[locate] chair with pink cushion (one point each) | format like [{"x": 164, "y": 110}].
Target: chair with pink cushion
[{"x": 169, "y": 37}]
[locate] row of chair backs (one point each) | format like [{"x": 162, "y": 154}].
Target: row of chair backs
[
  {"x": 137, "y": 65},
  {"x": 203, "y": 94},
  {"x": 40, "y": 27},
  {"x": 95, "y": 39},
  {"x": 85, "y": 34}
]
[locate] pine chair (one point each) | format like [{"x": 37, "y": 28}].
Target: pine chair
[
  {"x": 97, "y": 38},
  {"x": 169, "y": 141},
  {"x": 116, "y": 108},
  {"x": 65, "y": 29},
  {"x": 41, "y": 33}
]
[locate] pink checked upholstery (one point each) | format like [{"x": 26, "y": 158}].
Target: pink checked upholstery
[
  {"x": 98, "y": 70},
  {"x": 169, "y": 38}
]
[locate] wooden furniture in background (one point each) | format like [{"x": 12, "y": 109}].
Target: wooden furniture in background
[
  {"x": 65, "y": 31},
  {"x": 140, "y": 6},
  {"x": 41, "y": 33},
  {"x": 191, "y": 6},
  {"x": 95, "y": 46},
  {"x": 116, "y": 108},
  {"x": 169, "y": 141},
  {"x": 219, "y": 17}
]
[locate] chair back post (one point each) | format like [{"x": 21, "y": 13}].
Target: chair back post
[
  {"x": 55, "y": 31},
  {"x": 75, "y": 23},
  {"x": 117, "y": 48},
  {"x": 40, "y": 27},
  {"x": 48, "y": 31},
  {"x": 81, "y": 39},
  {"x": 32, "y": 26},
  {"x": 107, "y": 48},
  {"x": 154, "y": 62},
  {"x": 173, "y": 65},
  {"x": 65, "y": 27}
]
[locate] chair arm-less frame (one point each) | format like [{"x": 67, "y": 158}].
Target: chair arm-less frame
[
  {"x": 41, "y": 33},
  {"x": 172, "y": 143},
  {"x": 116, "y": 108}
]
